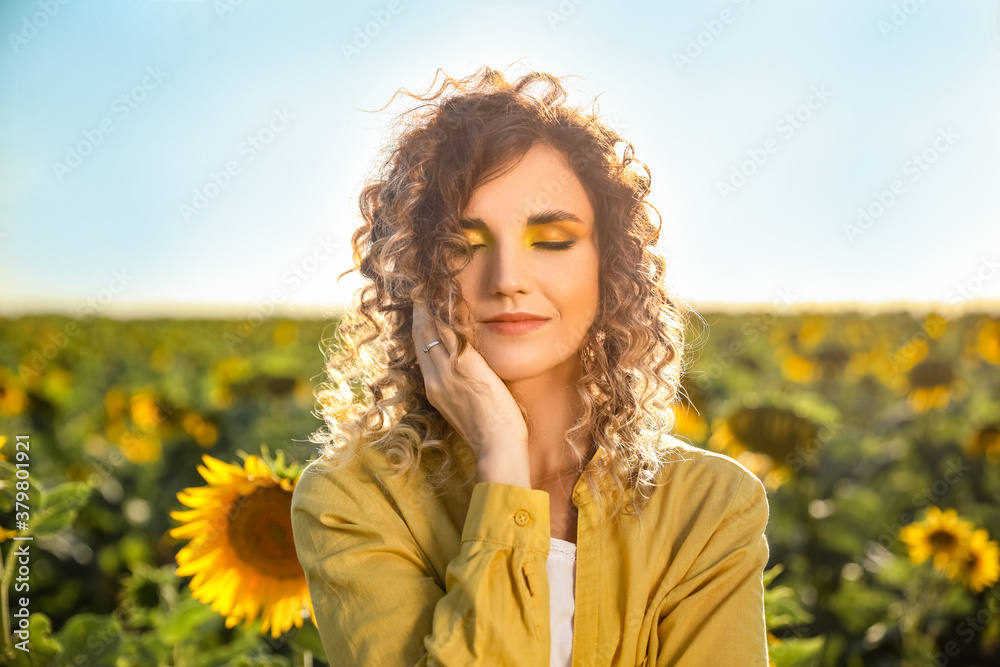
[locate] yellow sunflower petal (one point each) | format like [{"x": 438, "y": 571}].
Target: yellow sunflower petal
[{"x": 242, "y": 563}]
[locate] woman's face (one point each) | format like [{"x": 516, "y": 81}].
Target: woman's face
[{"x": 536, "y": 256}]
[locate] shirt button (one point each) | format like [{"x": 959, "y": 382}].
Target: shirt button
[{"x": 522, "y": 517}]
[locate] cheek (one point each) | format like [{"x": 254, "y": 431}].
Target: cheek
[
  {"x": 580, "y": 301},
  {"x": 467, "y": 280},
  {"x": 590, "y": 284}
]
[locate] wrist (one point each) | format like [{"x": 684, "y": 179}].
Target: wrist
[{"x": 505, "y": 464}]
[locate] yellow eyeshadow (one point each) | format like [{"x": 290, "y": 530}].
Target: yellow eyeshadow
[
  {"x": 547, "y": 233},
  {"x": 474, "y": 236}
]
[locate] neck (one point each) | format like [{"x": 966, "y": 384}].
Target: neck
[{"x": 552, "y": 406}]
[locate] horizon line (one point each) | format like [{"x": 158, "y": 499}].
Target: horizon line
[{"x": 148, "y": 311}]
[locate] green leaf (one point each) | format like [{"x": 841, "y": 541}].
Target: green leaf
[
  {"x": 895, "y": 571},
  {"x": 8, "y": 490},
  {"x": 144, "y": 649},
  {"x": 781, "y": 607},
  {"x": 95, "y": 638},
  {"x": 772, "y": 573},
  {"x": 59, "y": 507},
  {"x": 42, "y": 647},
  {"x": 858, "y": 606},
  {"x": 796, "y": 652},
  {"x": 185, "y": 619}
]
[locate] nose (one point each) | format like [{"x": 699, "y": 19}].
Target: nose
[{"x": 509, "y": 269}]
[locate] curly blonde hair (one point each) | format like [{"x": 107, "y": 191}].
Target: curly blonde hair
[{"x": 410, "y": 247}]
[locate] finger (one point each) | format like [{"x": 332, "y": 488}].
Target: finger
[
  {"x": 424, "y": 332},
  {"x": 447, "y": 337},
  {"x": 425, "y": 329},
  {"x": 470, "y": 364},
  {"x": 419, "y": 333}
]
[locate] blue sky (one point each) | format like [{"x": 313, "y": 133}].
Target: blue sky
[{"x": 114, "y": 117}]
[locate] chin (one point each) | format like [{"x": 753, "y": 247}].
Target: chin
[{"x": 513, "y": 367}]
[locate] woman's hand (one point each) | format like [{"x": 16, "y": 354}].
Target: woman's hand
[{"x": 480, "y": 408}]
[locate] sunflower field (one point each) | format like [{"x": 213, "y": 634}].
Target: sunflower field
[{"x": 128, "y": 450}]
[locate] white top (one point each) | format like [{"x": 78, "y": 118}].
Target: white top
[{"x": 561, "y": 567}]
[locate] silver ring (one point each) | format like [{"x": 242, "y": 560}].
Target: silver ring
[{"x": 430, "y": 345}]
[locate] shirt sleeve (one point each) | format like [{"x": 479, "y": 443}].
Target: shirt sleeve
[
  {"x": 378, "y": 601},
  {"x": 715, "y": 615}
]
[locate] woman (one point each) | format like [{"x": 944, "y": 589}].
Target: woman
[{"x": 497, "y": 485}]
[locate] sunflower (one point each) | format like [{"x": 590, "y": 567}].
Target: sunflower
[
  {"x": 797, "y": 368},
  {"x": 57, "y": 384},
  {"x": 854, "y": 333},
  {"x": 831, "y": 361},
  {"x": 13, "y": 398},
  {"x": 241, "y": 554},
  {"x": 688, "y": 422},
  {"x": 115, "y": 403},
  {"x": 931, "y": 385},
  {"x": 767, "y": 429},
  {"x": 139, "y": 447},
  {"x": 912, "y": 353},
  {"x": 233, "y": 369},
  {"x": 204, "y": 432},
  {"x": 985, "y": 442},
  {"x": 689, "y": 410},
  {"x": 145, "y": 411},
  {"x": 730, "y": 437},
  {"x": 988, "y": 343},
  {"x": 941, "y": 535},
  {"x": 979, "y": 564},
  {"x": 883, "y": 364},
  {"x": 811, "y": 332},
  {"x": 286, "y": 332},
  {"x": 144, "y": 591}
]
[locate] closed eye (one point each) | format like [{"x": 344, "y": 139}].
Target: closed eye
[
  {"x": 555, "y": 245},
  {"x": 544, "y": 245}
]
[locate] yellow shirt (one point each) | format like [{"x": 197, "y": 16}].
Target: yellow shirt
[{"x": 399, "y": 577}]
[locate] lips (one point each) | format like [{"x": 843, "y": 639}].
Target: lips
[
  {"x": 511, "y": 324},
  {"x": 515, "y": 317}
]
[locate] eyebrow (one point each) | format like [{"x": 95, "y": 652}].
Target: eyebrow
[{"x": 540, "y": 218}]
